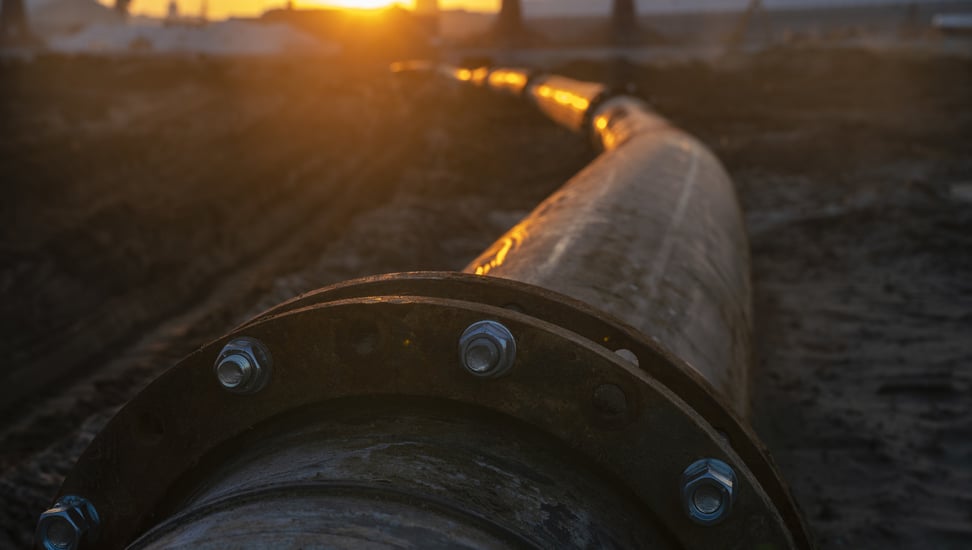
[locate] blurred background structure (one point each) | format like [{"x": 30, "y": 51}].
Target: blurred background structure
[
  {"x": 646, "y": 29},
  {"x": 753, "y": 16},
  {"x": 121, "y": 6},
  {"x": 428, "y": 11},
  {"x": 13, "y": 22},
  {"x": 624, "y": 21},
  {"x": 509, "y": 22}
]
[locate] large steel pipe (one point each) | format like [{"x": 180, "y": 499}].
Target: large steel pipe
[
  {"x": 581, "y": 386},
  {"x": 393, "y": 471},
  {"x": 650, "y": 232}
]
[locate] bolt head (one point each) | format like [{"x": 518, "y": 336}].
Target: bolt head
[
  {"x": 244, "y": 366},
  {"x": 234, "y": 371},
  {"x": 72, "y": 523},
  {"x": 487, "y": 349},
  {"x": 708, "y": 491}
]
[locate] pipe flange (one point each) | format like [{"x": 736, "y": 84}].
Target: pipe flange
[{"x": 338, "y": 347}]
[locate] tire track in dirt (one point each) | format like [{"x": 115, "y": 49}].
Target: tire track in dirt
[
  {"x": 121, "y": 369},
  {"x": 69, "y": 350}
]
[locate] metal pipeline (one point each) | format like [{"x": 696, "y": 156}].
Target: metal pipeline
[
  {"x": 650, "y": 232},
  {"x": 581, "y": 385}
]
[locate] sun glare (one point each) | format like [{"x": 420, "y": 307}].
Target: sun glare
[{"x": 355, "y": 4}]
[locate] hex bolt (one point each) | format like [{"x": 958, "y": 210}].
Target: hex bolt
[
  {"x": 234, "y": 371},
  {"x": 708, "y": 491},
  {"x": 487, "y": 349},
  {"x": 72, "y": 524},
  {"x": 609, "y": 401},
  {"x": 243, "y": 366}
]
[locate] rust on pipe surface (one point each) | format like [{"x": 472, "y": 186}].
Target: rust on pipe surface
[
  {"x": 651, "y": 232},
  {"x": 615, "y": 420}
]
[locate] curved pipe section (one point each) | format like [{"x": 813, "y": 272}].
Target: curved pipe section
[{"x": 650, "y": 232}]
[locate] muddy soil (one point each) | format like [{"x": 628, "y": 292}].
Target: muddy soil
[{"x": 150, "y": 206}]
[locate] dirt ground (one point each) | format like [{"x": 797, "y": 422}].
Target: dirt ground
[{"x": 150, "y": 206}]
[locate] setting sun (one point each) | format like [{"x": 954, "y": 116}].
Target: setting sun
[
  {"x": 222, "y": 9},
  {"x": 356, "y": 4}
]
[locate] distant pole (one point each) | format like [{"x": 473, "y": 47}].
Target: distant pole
[
  {"x": 624, "y": 21},
  {"x": 911, "y": 26},
  {"x": 13, "y": 21},
  {"x": 172, "y": 13},
  {"x": 510, "y": 23},
  {"x": 427, "y": 11},
  {"x": 121, "y": 7},
  {"x": 754, "y": 11}
]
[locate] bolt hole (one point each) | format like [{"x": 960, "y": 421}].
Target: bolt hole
[
  {"x": 628, "y": 355},
  {"x": 366, "y": 345},
  {"x": 358, "y": 338},
  {"x": 609, "y": 401}
]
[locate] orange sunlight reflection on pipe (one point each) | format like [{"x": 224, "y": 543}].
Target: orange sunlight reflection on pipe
[
  {"x": 509, "y": 242},
  {"x": 608, "y": 138},
  {"x": 564, "y": 98},
  {"x": 479, "y": 76},
  {"x": 501, "y": 77}
]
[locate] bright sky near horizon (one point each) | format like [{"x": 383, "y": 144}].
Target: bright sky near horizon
[{"x": 221, "y": 9}]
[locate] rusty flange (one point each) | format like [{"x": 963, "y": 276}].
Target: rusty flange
[
  {"x": 397, "y": 335},
  {"x": 602, "y": 329}
]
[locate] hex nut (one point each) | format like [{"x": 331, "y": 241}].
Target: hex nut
[
  {"x": 244, "y": 366},
  {"x": 487, "y": 349},
  {"x": 71, "y": 524},
  {"x": 708, "y": 491}
]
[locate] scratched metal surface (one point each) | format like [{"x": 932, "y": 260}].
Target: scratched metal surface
[
  {"x": 382, "y": 473},
  {"x": 652, "y": 233}
]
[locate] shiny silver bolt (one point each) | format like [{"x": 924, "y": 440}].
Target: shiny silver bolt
[
  {"x": 234, "y": 371},
  {"x": 487, "y": 349},
  {"x": 708, "y": 490},
  {"x": 71, "y": 524},
  {"x": 243, "y": 366}
]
